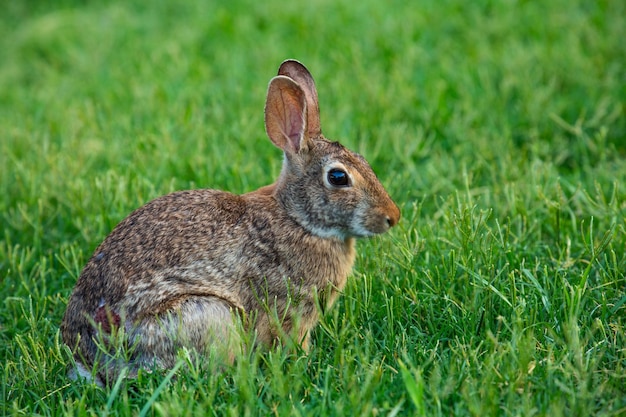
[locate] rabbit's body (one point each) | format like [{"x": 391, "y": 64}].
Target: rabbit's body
[
  {"x": 243, "y": 260},
  {"x": 177, "y": 271}
]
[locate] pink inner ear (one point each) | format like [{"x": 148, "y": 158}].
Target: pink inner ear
[
  {"x": 293, "y": 120},
  {"x": 295, "y": 130},
  {"x": 285, "y": 114}
]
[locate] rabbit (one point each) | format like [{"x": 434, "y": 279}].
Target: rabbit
[{"x": 182, "y": 270}]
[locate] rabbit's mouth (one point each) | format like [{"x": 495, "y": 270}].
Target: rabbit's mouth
[
  {"x": 369, "y": 222},
  {"x": 365, "y": 227}
]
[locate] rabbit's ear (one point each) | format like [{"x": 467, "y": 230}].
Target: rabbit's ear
[
  {"x": 285, "y": 114},
  {"x": 298, "y": 72}
]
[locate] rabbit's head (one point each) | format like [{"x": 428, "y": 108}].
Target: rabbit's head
[{"x": 328, "y": 189}]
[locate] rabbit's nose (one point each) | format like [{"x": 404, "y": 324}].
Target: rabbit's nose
[
  {"x": 392, "y": 221},
  {"x": 393, "y": 218}
]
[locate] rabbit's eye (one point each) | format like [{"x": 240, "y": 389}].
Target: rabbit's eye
[{"x": 338, "y": 178}]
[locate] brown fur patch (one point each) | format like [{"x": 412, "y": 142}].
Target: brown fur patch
[{"x": 107, "y": 319}]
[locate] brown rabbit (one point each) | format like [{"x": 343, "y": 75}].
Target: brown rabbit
[{"x": 183, "y": 269}]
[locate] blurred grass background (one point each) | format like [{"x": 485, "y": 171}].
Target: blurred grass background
[{"x": 498, "y": 126}]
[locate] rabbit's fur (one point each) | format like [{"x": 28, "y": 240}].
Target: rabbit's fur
[{"x": 183, "y": 269}]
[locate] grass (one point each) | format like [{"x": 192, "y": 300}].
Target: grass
[{"x": 498, "y": 126}]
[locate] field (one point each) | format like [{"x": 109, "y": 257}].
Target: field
[{"x": 499, "y": 127}]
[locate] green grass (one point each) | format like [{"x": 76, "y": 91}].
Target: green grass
[{"x": 498, "y": 127}]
